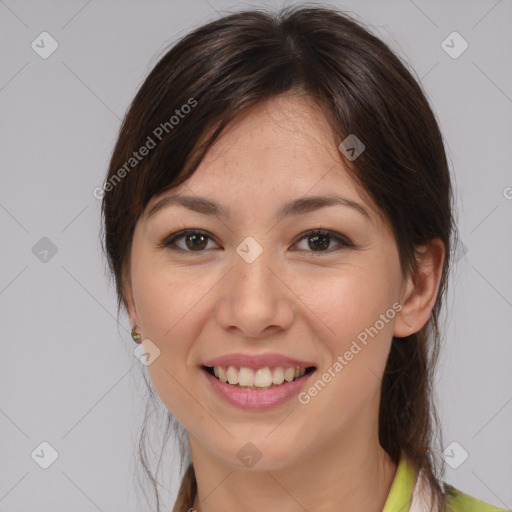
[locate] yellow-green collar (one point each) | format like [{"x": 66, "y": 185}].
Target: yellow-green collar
[{"x": 400, "y": 494}]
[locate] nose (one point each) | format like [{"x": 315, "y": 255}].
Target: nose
[{"x": 255, "y": 300}]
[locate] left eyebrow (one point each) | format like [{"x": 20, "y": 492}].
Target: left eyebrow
[
  {"x": 312, "y": 203},
  {"x": 293, "y": 208}
]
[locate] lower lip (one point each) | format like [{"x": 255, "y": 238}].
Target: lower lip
[{"x": 254, "y": 398}]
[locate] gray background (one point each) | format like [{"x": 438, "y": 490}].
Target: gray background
[{"x": 69, "y": 376}]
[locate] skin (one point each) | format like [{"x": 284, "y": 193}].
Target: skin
[{"x": 294, "y": 300}]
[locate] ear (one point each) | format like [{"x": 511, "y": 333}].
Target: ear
[{"x": 419, "y": 293}]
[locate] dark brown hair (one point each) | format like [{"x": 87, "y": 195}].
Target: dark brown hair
[{"x": 234, "y": 63}]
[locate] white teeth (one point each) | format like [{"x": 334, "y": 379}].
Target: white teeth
[
  {"x": 232, "y": 375},
  {"x": 246, "y": 376},
  {"x": 261, "y": 378},
  {"x": 289, "y": 374},
  {"x": 278, "y": 376}
]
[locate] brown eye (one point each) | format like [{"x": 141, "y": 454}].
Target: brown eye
[
  {"x": 320, "y": 240},
  {"x": 195, "y": 241}
]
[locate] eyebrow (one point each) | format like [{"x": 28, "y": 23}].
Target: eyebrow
[{"x": 293, "y": 208}]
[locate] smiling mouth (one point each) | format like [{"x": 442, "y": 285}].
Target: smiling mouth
[{"x": 260, "y": 379}]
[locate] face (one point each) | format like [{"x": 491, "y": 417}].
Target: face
[{"x": 253, "y": 278}]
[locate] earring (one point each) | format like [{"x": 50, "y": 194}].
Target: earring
[{"x": 135, "y": 335}]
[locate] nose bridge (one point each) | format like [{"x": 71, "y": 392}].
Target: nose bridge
[
  {"x": 252, "y": 268},
  {"x": 252, "y": 279},
  {"x": 254, "y": 298}
]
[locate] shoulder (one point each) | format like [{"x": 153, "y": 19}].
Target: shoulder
[{"x": 457, "y": 501}]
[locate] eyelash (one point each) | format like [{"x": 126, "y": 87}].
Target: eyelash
[{"x": 170, "y": 241}]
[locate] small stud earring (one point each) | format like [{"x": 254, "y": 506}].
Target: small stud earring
[{"x": 135, "y": 335}]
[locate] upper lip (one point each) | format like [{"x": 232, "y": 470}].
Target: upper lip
[{"x": 257, "y": 361}]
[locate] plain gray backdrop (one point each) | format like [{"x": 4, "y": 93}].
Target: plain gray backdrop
[{"x": 69, "y": 377}]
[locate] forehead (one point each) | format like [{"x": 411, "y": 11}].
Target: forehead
[
  {"x": 282, "y": 137},
  {"x": 279, "y": 150}
]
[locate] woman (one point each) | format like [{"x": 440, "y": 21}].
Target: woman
[{"x": 278, "y": 220}]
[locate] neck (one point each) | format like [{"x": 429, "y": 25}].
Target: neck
[{"x": 353, "y": 475}]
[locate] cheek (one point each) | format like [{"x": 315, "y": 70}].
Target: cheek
[
  {"x": 348, "y": 302},
  {"x": 167, "y": 304},
  {"x": 165, "y": 297},
  {"x": 169, "y": 309},
  {"x": 354, "y": 312}
]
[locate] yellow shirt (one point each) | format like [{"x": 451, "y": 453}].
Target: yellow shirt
[{"x": 401, "y": 492}]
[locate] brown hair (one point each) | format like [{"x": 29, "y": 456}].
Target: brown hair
[{"x": 234, "y": 63}]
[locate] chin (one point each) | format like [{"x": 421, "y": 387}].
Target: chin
[{"x": 259, "y": 452}]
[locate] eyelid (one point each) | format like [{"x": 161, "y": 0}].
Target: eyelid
[{"x": 342, "y": 240}]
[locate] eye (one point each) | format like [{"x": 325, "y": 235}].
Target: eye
[
  {"x": 320, "y": 239},
  {"x": 196, "y": 240}
]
